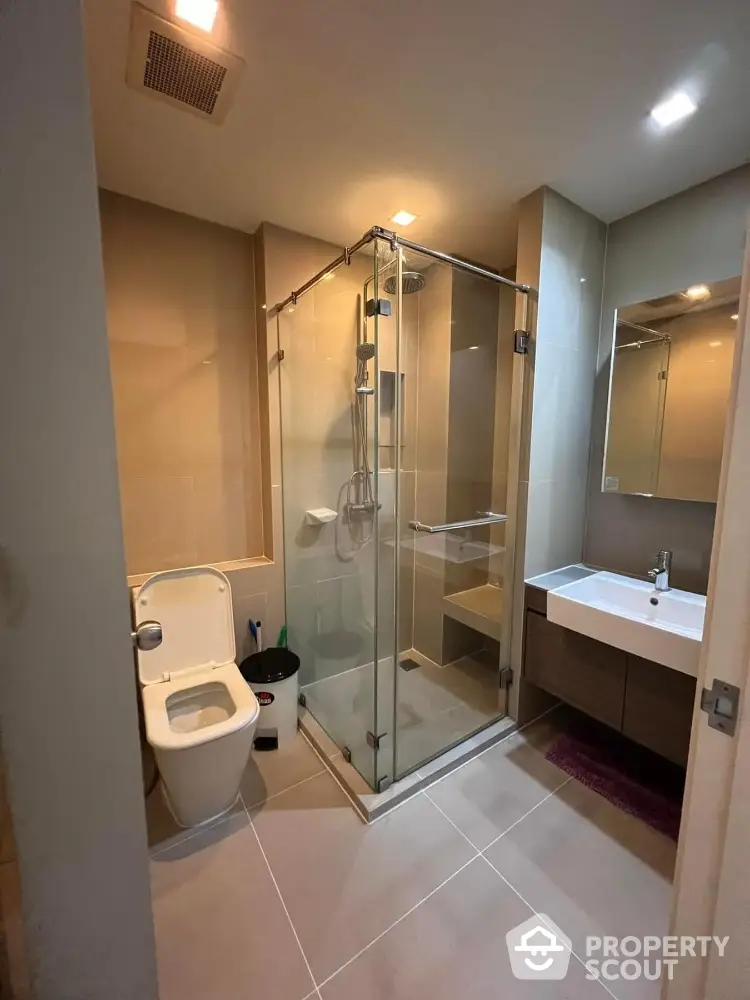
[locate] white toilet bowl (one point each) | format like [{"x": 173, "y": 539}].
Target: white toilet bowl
[{"x": 200, "y": 713}]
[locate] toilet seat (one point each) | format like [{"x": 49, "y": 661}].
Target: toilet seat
[
  {"x": 194, "y": 607},
  {"x": 163, "y": 736}
]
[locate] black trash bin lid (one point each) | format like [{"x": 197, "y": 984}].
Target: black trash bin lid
[{"x": 270, "y": 665}]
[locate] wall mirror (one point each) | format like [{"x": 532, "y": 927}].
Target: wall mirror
[{"x": 669, "y": 391}]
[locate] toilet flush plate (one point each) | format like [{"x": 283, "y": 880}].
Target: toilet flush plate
[{"x": 194, "y": 607}]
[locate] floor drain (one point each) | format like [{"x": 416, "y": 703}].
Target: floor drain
[{"x": 408, "y": 664}]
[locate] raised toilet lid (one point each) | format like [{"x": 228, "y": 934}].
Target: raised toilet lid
[{"x": 194, "y": 607}]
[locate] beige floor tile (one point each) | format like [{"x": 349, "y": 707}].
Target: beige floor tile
[
  {"x": 221, "y": 930},
  {"x": 271, "y": 771},
  {"x": 487, "y": 795},
  {"x": 162, "y": 829},
  {"x": 593, "y": 869},
  {"x": 344, "y": 882},
  {"x": 452, "y": 946}
]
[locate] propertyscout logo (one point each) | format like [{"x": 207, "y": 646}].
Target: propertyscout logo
[{"x": 538, "y": 949}]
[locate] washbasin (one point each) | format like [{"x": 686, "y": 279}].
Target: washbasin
[{"x": 619, "y": 610}]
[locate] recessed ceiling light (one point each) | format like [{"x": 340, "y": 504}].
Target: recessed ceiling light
[
  {"x": 403, "y": 218},
  {"x": 697, "y": 292},
  {"x": 201, "y": 13},
  {"x": 735, "y": 316},
  {"x": 669, "y": 112}
]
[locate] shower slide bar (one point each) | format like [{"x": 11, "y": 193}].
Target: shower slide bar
[
  {"x": 377, "y": 232},
  {"x": 477, "y": 522}
]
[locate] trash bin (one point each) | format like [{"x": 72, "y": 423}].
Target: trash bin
[{"x": 272, "y": 674}]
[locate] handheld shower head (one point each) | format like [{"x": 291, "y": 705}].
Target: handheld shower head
[{"x": 365, "y": 351}]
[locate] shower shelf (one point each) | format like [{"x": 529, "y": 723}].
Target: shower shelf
[{"x": 480, "y": 608}]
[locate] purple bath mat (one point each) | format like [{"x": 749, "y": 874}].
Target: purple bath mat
[{"x": 595, "y": 767}]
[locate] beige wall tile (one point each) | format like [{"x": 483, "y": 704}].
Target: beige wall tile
[{"x": 181, "y": 320}]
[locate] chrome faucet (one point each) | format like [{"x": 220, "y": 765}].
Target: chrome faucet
[{"x": 660, "y": 573}]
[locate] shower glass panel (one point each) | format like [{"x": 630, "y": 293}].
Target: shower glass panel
[
  {"x": 396, "y": 403},
  {"x": 456, "y": 360},
  {"x": 329, "y": 395}
]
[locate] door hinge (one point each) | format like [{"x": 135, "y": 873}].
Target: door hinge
[
  {"x": 378, "y": 307},
  {"x": 521, "y": 343},
  {"x": 721, "y": 702},
  {"x": 374, "y": 741},
  {"x": 280, "y": 355},
  {"x": 662, "y": 375},
  {"x": 506, "y": 678}
]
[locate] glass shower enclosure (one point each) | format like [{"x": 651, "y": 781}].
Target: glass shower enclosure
[{"x": 396, "y": 369}]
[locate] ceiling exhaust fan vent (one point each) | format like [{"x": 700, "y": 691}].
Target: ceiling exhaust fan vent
[
  {"x": 176, "y": 71},
  {"x": 170, "y": 63}
]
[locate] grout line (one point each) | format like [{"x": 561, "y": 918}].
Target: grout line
[
  {"x": 529, "y": 812},
  {"x": 541, "y": 917},
  {"x": 282, "y": 791},
  {"x": 316, "y": 991},
  {"x": 395, "y": 922},
  {"x": 458, "y": 828},
  {"x": 196, "y": 831}
]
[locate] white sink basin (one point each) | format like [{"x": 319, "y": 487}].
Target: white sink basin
[{"x": 617, "y": 610}]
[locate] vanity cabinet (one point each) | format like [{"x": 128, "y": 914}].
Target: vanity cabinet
[
  {"x": 581, "y": 671},
  {"x": 658, "y": 710},
  {"x": 648, "y": 702}
]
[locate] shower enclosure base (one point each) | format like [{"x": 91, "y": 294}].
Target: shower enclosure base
[
  {"x": 372, "y": 805},
  {"x": 438, "y": 706}
]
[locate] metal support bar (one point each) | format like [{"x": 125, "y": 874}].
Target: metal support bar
[
  {"x": 396, "y": 241},
  {"x": 476, "y": 522},
  {"x": 400, "y": 241}
]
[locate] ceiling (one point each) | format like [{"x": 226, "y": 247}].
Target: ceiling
[{"x": 350, "y": 110}]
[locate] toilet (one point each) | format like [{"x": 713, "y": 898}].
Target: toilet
[{"x": 200, "y": 713}]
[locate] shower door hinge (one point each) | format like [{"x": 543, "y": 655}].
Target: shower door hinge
[
  {"x": 374, "y": 741},
  {"x": 506, "y": 678},
  {"x": 378, "y": 307},
  {"x": 384, "y": 783},
  {"x": 721, "y": 702},
  {"x": 302, "y": 699},
  {"x": 521, "y": 345},
  {"x": 280, "y": 355}
]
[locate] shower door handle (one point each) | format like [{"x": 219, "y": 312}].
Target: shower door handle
[{"x": 477, "y": 522}]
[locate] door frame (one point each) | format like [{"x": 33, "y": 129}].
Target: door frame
[{"x": 716, "y": 816}]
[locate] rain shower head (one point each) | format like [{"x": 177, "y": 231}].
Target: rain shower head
[
  {"x": 365, "y": 351},
  {"x": 411, "y": 281}
]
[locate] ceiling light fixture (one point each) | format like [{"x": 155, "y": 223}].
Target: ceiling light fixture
[
  {"x": 201, "y": 13},
  {"x": 403, "y": 218},
  {"x": 697, "y": 292},
  {"x": 669, "y": 112}
]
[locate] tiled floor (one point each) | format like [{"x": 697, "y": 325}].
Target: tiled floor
[
  {"x": 437, "y": 706},
  {"x": 294, "y": 897}
]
